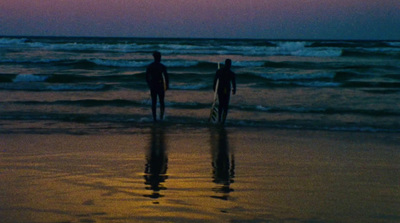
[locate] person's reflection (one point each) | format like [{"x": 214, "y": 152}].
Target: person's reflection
[
  {"x": 155, "y": 172},
  {"x": 223, "y": 163}
]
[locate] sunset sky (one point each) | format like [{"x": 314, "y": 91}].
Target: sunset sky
[{"x": 288, "y": 19}]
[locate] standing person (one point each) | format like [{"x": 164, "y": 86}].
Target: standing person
[
  {"x": 225, "y": 77},
  {"x": 158, "y": 82}
]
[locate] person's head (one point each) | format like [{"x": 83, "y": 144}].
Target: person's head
[
  {"x": 157, "y": 56},
  {"x": 228, "y": 63}
]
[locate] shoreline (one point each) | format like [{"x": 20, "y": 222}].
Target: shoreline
[{"x": 132, "y": 126}]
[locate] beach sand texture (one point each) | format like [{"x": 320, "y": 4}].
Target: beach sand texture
[{"x": 187, "y": 174}]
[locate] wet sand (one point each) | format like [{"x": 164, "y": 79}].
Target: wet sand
[{"x": 174, "y": 174}]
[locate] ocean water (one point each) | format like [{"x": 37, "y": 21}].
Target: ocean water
[{"x": 90, "y": 85}]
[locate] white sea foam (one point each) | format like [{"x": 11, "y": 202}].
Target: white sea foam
[
  {"x": 284, "y": 48},
  {"x": 302, "y": 49},
  {"x": 103, "y": 47},
  {"x": 123, "y": 47},
  {"x": 262, "y": 108},
  {"x": 320, "y": 52},
  {"x": 291, "y": 46},
  {"x": 246, "y": 50},
  {"x": 180, "y": 47}
]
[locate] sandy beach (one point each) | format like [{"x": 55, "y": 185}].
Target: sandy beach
[{"x": 187, "y": 174}]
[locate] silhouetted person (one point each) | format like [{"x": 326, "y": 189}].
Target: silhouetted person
[
  {"x": 227, "y": 81},
  {"x": 156, "y": 163},
  {"x": 158, "y": 82},
  {"x": 223, "y": 164}
]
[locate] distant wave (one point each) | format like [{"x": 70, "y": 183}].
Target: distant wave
[
  {"x": 304, "y": 49},
  {"x": 28, "y": 61},
  {"x": 207, "y": 47},
  {"x": 89, "y": 63},
  {"x": 289, "y": 48},
  {"x": 30, "y": 78},
  {"x": 248, "y": 63},
  {"x": 40, "y": 83},
  {"x": 376, "y": 84},
  {"x": 62, "y": 78},
  {"x": 12, "y": 41},
  {"x": 294, "y": 76},
  {"x": 198, "y": 65},
  {"x": 282, "y": 48},
  {"x": 394, "y": 44},
  {"x": 326, "y": 111},
  {"x": 85, "y": 87},
  {"x": 372, "y": 52},
  {"x": 72, "y": 44},
  {"x": 317, "y": 84},
  {"x": 190, "y": 87},
  {"x": 353, "y": 44},
  {"x": 119, "y": 63},
  {"x": 128, "y": 63},
  {"x": 322, "y": 65}
]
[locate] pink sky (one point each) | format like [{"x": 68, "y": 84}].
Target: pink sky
[{"x": 294, "y": 19}]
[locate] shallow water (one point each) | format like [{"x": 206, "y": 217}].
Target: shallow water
[{"x": 162, "y": 173}]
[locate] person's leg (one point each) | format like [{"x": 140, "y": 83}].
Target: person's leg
[
  {"x": 154, "y": 105},
  {"x": 220, "y": 107},
  {"x": 161, "y": 96},
  {"x": 225, "y": 107}
]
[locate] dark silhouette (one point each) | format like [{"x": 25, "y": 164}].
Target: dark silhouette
[
  {"x": 158, "y": 82},
  {"x": 223, "y": 163},
  {"x": 155, "y": 172},
  {"x": 226, "y": 77}
]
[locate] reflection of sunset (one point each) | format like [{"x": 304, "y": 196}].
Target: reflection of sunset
[
  {"x": 223, "y": 163},
  {"x": 155, "y": 173}
]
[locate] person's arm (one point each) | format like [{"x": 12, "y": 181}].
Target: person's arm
[{"x": 166, "y": 77}]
